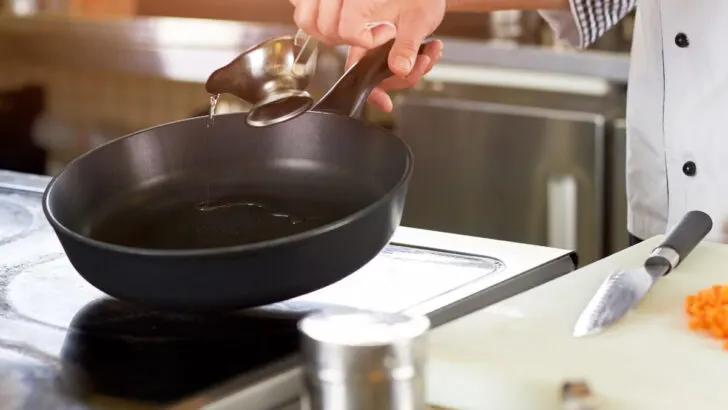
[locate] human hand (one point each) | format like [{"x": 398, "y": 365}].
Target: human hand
[
  {"x": 423, "y": 65},
  {"x": 350, "y": 22}
]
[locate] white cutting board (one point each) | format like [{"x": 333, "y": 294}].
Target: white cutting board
[{"x": 514, "y": 355}]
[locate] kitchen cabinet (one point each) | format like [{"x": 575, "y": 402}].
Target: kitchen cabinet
[
  {"x": 507, "y": 171},
  {"x": 618, "y": 237}
]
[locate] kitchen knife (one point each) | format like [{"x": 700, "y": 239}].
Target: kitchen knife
[{"x": 623, "y": 289}]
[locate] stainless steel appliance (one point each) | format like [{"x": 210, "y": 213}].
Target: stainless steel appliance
[
  {"x": 65, "y": 345},
  {"x": 506, "y": 170},
  {"x": 617, "y": 203}
]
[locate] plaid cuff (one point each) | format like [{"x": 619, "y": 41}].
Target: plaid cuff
[{"x": 595, "y": 17}]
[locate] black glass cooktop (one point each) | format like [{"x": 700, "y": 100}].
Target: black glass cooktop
[{"x": 138, "y": 356}]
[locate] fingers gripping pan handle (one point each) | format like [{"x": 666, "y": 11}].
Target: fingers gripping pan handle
[
  {"x": 682, "y": 239},
  {"x": 349, "y": 95}
]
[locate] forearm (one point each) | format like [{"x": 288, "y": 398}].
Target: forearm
[{"x": 493, "y": 5}]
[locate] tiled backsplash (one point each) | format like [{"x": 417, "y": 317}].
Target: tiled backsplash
[{"x": 87, "y": 98}]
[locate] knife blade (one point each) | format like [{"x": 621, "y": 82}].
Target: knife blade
[{"x": 622, "y": 290}]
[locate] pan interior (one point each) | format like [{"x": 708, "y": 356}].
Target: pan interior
[
  {"x": 185, "y": 185},
  {"x": 188, "y": 214}
]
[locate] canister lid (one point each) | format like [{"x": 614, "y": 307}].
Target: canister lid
[
  {"x": 362, "y": 328},
  {"x": 363, "y": 346}
]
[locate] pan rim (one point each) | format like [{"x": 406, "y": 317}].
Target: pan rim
[{"x": 251, "y": 247}]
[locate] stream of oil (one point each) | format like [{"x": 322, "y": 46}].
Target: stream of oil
[
  {"x": 214, "y": 99},
  {"x": 213, "y": 107}
]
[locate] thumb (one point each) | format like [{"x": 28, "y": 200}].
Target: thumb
[{"x": 412, "y": 30}]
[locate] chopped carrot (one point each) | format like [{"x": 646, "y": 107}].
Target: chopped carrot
[{"x": 708, "y": 312}]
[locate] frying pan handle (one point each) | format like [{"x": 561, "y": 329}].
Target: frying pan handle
[
  {"x": 681, "y": 240},
  {"x": 349, "y": 95}
]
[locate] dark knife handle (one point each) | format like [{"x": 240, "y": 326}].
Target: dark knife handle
[{"x": 682, "y": 239}]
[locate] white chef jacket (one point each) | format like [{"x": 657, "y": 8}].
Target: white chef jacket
[{"x": 677, "y": 103}]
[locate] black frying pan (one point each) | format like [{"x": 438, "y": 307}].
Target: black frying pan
[{"x": 185, "y": 216}]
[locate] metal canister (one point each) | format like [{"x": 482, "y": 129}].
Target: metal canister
[{"x": 361, "y": 360}]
